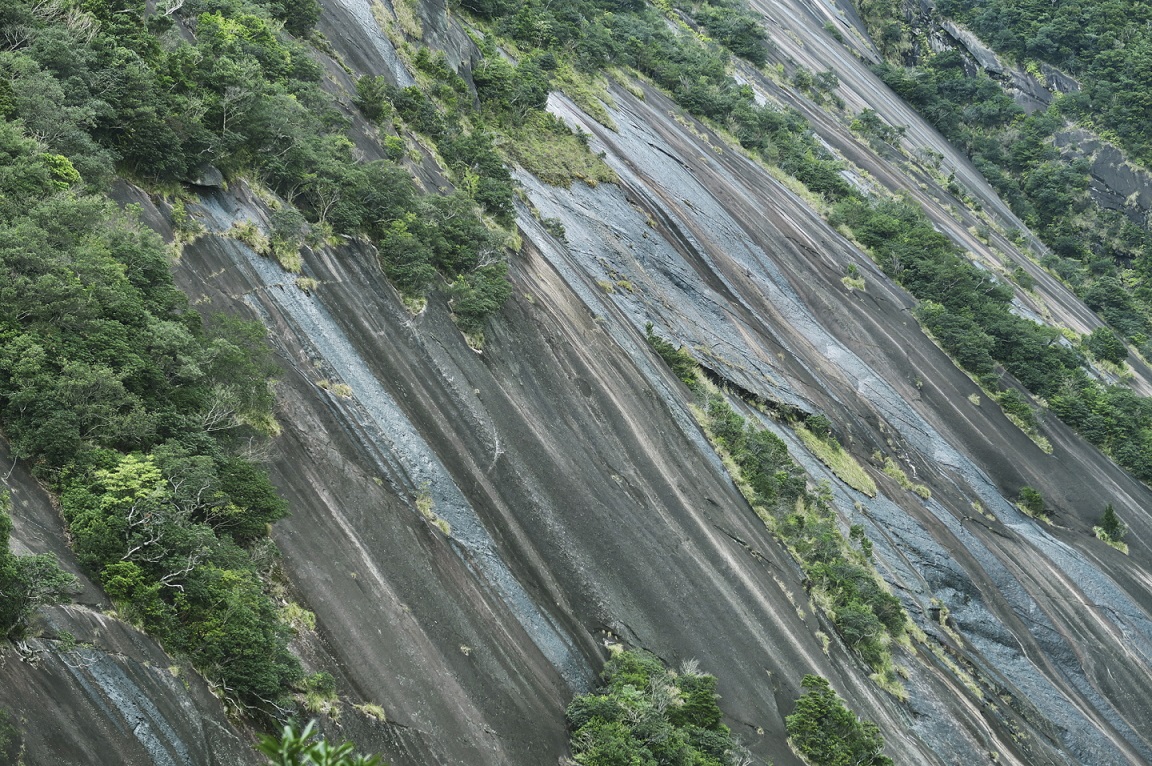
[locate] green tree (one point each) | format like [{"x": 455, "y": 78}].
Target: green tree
[
  {"x": 827, "y": 733},
  {"x": 1106, "y": 345},
  {"x": 1111, "y": 525},
  {"x": 644, "y": 715}
]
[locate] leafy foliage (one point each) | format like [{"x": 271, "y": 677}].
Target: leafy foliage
[
  {"x": 134, "y": 411},
  {"x": 601, "y": 33},
  {"x": 232, "y": 89},
  {"x": 1108, "y": 43},
  {"x": 736, "y": 29},
  {"x": 26, "y": 583},
  {"x": 1033, "y": 502},
  {"x": 827, "y": 733},
  {"x": 307, "y": 748},
  {"x": 645, "y": 714},
  {"x": 678, "y": 360},
  {"x": 865, "y": 614}
]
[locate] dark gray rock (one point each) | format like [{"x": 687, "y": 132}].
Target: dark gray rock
[{"x": 208, "y": 177}]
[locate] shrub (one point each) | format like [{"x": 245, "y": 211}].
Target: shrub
[
  {"x": 307, "y": 748},
  {"x": 644, "y": 713},
  {"x": 26, "y": 582},
  {"x": 682, "y": 364},
  {"x": 1032, "y": 502},
  {"x": 476, "y": 296},
  {"x": 1106, "y": 346},
  {"x": 826, "y": 733}
]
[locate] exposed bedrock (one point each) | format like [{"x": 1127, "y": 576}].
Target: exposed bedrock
[{"x": 470, "y": 528}]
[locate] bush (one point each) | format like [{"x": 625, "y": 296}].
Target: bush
[
  {"x": 1032, "y": 502},
  {"x": 26, "y": 582},
  {"x": 1106, "y": 346},
  {"x": 737, "y": 29},
  {"x": 827, "y": 733},
  {"x": 864, "y": 613},
  {"x": 476, "y": 296},
  {"x": 644, "y": 713},
  {"x": 682, "y": 364}
]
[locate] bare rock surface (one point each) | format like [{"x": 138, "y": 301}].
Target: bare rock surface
[{"x": 471, "y": 527}]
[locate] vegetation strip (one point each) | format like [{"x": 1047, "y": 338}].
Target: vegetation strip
[{"x": 839, "y": 569}]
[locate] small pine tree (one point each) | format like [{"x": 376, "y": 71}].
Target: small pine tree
[{"x": 1111, "y": 525}]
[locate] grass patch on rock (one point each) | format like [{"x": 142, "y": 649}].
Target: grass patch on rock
[{"x": 829, "y": 452}]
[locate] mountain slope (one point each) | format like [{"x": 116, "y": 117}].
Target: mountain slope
[{"x": 583, "y": 504}]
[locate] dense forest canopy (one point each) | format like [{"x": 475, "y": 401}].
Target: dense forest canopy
[{"x": 1107, "y": 45}]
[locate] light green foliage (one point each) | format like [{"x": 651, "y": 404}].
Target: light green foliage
[
  {"x": 595, "y": 34},
  {"x": 893, "y": 470},
  {"x": 318, "y": 692},
  {"x": 307, "y": 748},
  {"x": 242, "y": 95},
  {"x": 544, "y": 146},
  {"x": 132, "y": 410},
  {"x": 645, "y": 714},
  {"x": 831, "y": 454},
  {"x": 826, "y": 733}
]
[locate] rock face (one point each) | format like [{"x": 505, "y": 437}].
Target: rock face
[
  {"x": 1116, "y": 184},
  {"x": 582, "y": 503}
]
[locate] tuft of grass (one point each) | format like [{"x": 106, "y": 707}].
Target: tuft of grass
[
  {"x": 588, "y": 92},
  {"x": 829, "y": 452},
  {"x": 317, "y": 694},
  {"x": 1039, "y": 439},
  {"x": 408, "y": 19},
  {"x": 307, "y": 284},
  {"x": 343, "y": 390},
  {"x": 414, "y": 305},
  {"x": 296, "y": 616},
  {"x": 425, "y": 506},
  {"x": 853, "y": 283},
  {"x": 892, "y": 470},
  {"x": 547, "y": 149},
  {"x": 249, "y": 233},
  {"x": 287, "y": 254},
  {"x": 372, "y": 710}
]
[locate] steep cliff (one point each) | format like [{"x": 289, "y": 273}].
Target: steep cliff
[{"x": 471, "y": 527}]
